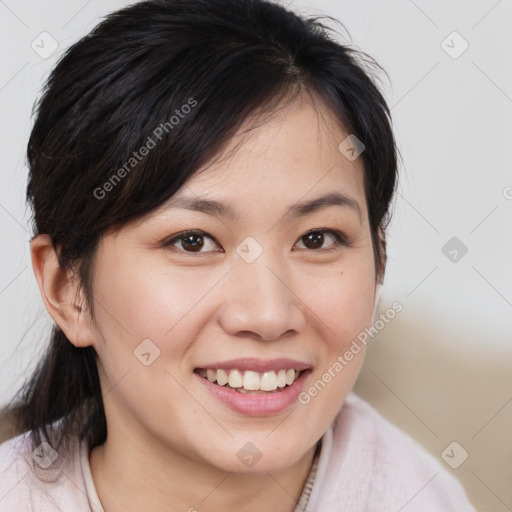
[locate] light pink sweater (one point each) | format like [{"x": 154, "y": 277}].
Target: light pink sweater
[{"x": 365, "y": 465}]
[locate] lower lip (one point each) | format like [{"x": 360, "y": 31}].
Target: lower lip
[{"x": 256, "y": 405}]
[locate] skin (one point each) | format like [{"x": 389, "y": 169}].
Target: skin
[{"x": 170, "y": 444}]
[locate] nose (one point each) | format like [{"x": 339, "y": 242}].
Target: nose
[{"x": 261, "y": 303}]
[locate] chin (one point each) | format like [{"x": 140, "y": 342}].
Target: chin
[{"x": 258, "y": 458}]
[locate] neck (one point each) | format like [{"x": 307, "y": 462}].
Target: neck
[{"x": 129, "y": 476}]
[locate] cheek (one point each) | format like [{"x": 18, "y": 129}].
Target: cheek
[
  {"x": 153, "y": 302},
  {"x": 342, "y": 300},
  {"x": 149, "y": 304},
  {"x": 342, "y": 306}
]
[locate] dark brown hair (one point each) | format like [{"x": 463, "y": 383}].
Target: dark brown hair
[{"x": 184, "y": 75}]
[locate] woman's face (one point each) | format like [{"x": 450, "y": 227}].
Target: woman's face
[{"x": 250, "y": 290}]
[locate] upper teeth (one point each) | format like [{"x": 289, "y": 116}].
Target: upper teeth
[{"x": 267, "y": 381}]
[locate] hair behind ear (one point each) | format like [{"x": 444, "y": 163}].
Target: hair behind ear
[{"x": 65, "y": 386}]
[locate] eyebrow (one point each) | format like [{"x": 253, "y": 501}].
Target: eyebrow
[{"x": 296, "y": 210}]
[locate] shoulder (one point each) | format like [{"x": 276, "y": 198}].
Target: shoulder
[
  {"x": 388, "y": 469},
  {"x": 39, "y": 478}
]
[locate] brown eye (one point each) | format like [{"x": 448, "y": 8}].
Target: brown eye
[
  {"x": 315, "y": 240},
  {"x": 192, "y": 242}
]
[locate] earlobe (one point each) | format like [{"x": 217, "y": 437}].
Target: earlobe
[{"x": 60, "y": 292}]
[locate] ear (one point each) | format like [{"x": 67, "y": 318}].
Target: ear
[{"x": 60, "y": 293}]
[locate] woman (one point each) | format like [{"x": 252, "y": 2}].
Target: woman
[{"x": 211, "y": 183}]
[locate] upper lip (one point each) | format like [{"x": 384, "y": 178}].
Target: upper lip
[{"x": 257, "y": 365}]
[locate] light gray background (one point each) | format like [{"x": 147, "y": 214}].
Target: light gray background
[{"x": 441, "y": 370}]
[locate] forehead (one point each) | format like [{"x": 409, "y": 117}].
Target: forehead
[{"x": 290, "y": 154}]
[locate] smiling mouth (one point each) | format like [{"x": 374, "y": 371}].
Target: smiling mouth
[{"x": 250, "y": 382}]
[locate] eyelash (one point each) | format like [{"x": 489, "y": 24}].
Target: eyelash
[{"x": 339, "y": 240}]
